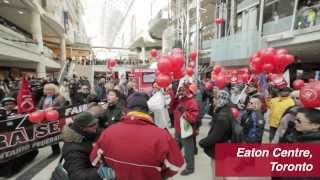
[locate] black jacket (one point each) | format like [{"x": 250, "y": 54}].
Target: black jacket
[
  {"x": 112, "y": 115},
  {"x": 253, "y": 126},
  {"x": 76, "y": 151},
  {"x": 220, "y": 131}
]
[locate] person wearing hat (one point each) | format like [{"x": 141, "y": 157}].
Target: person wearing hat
[
  {"x": 78, "y": 138},
  {"x": 135, "y": 148},
  {"x": 10, "y": 105},
  {"x": 186, "y": 109},
  {"x": 278, "y": 106},
  {"x": 220, "y": 130}
]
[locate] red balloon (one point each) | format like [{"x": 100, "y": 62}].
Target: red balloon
[
  {"x": 280, "y": 63},
  {"x": 153, "y": 53},
  {"x": 256, "y": 61},
  {"x": 268, "y": 55},
  {"x": 267, "y": 68},
  {"x": 177, "y": 61},
  {"x": 310, "y": 95},
  {"x": 290, "y": 59},
  {"x": 220, "y": 82},
  {"x": 208, "y": 86},
  {"x": 179, "y": 74},
  {"x": 164, "y": 65},
  {"x": 112, "y": 63},
  {"x": 217, "y": 68},
  {"x": 189, "y": 71},
  {"x": 52, "y": 115},
  {"x": 219, "y": 20},
  {"x": 163, "y": 80},
  {"x": 245, "y": 77},
  {"x": 37, "y": 116},
  {"x": 235, "y": 113},
  {"x": 192, "y": 64},
  {"x": 282, "y": 51},
  {"x": 298, "y": 84},
  {"x": 193, "y": 55}
]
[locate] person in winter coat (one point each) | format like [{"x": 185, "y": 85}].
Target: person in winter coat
[
  {"x": 135, "y": 148},
  {"x": 307, "y": 126},
  {"x": 78, "y": 138},
  {"x": 52, "y": 99},
  {"x": 113, "y": 111},
  {"x": 287, "y": 121},
  {"x": 188, "y": 109},
  {"x": 253, "y": 121},
  {"x": 278, "y": 107},
  {"x": 84, "y": 96},
  {"x": 101, "y": 89},
  {"x": 221, "y": 127}
]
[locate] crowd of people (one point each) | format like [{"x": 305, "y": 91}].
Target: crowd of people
[{"x": 124, "y": 133}]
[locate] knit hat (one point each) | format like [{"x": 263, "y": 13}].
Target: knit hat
[
  {"x": 84, "y": 119},
  {"x": 223, "y": 98},
  {"x": 138, "y": 100}
]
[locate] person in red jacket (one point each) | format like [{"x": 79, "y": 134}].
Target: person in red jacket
[
  {"x": 188, "y": 109},
  {"x": 135, "y": 148}
]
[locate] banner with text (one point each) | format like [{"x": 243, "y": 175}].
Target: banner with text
[
  {"x": 265, "y": 160},
  {"x": 19, "y": 136}
]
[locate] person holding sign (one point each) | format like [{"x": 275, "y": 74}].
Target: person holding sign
[{"x": 52, "y": 99}]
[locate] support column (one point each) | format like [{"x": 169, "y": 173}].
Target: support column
[
  {"x": 261, "y": 16},
  {"x": 296, "y": 2},
  {"x": 63, "y": 48},
  {"x": 36, "y": 29},
  {"x": 41, "y": 70},
  {"x": 197, "y": 38},
  {"x": 143, "y": 54}
]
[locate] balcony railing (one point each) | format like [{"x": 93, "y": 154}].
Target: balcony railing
[
  {"x": 237, "y": 46},
  {"x": 279, "y": 26},
  {"x": 308, "y": 17}
]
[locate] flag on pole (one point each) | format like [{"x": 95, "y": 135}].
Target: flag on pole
[{"x": 24, "y": 99}]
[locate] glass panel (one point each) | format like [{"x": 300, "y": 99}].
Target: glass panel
[
  {"x": 238, "y": 46},
  {"x": 308, "y": 15}
]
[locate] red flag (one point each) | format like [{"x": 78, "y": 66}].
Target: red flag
[{"x": 24, "y": 98}]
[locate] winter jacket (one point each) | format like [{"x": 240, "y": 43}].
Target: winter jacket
[
  {"x": 112, "y": 114},
  {"x": 138, "y": 150},
  {"x": 277, "y": 107},
  {"x": 101, "y": 91},
  {"x": 286, "y": 125},
  {"x": 190, "y": 109},
  {"x": 57, "y": 102},
  {"x": 76, "y": 151},
  {"x": 220, "y": 131},
  {"x": 253, "y": 126}
]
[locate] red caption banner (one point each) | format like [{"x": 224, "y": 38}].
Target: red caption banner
[{"x": 276, "y": 160}]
